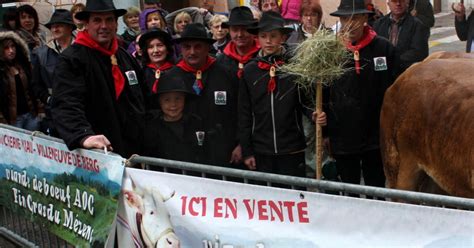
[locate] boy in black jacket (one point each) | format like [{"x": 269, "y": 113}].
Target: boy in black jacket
[
  {"x": 270, "y": 106},
  {"x": 172, "y": 133}
]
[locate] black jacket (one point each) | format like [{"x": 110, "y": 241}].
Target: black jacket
[
  {"x": 174, "y": 141},
  {"x": 424, "y": 11},
  {"x": 217, "y": 106},
  {"x": 412, "y": 45},
  {"x": 84, "y": 101},
  {"x": 353, "y": 102},
  {"x": 270, "y": 123},
  {"x": 44, "y": 60},
  {"x": 465, "y": 31}
]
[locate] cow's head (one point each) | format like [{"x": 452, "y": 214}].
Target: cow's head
[{"x": 153, "y": 220}]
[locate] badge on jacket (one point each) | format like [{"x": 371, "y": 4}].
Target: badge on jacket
[
  {"x": 132, "y": 77},
  {"x": 380, "y": 64},
  {"x": 220, "y": 97},
  {"x": 200, "y": 137}
]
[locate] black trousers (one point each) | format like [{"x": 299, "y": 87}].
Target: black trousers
[
  {"x": 349, "y": 168},
  {"x": 288, "y": 164}
]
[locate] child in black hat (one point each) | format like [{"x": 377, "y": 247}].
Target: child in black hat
[
  {"x": 271, "y": 106},
  {"x": 171, "y": 132}
]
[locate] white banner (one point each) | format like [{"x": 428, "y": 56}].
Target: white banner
[{"x": 158, "y": 208}]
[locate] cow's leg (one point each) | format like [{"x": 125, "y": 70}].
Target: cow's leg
[{"x": 409, "y": 173}]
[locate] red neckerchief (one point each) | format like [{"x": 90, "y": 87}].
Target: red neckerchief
[
  {"x": 231, "y": 51},
  {"x": 198, "y": 85},
  {"x": 84, "y": 38},
  {"x": 264, "y": 65},
  {"x": 166, "y": 66},
  {"x": 369, "y": 35}
]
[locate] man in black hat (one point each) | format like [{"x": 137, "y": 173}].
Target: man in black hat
[
  {"x": 271, "y": 105},
  {"x": 240, "y": 50},
  {"x": 243, "y": 45},
  {"x": 45, "y": 58},
  {"x": 216, "y": 101},
  {"x": 405, "y": 32},
  {"x": 354, "y": 101},
  {"x": 97, "y": 95}
]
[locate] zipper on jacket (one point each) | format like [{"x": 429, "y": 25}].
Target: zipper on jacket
[
  {"x": 253, "y": 123},
  {"x": 297, "y": 123},
  {"x": 274, "y": 126}
]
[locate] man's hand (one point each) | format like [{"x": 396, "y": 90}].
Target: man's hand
[
  {"x": 250, "y": 163},
  {"x": 459, "y": 11},
  {"x": 97, "y": 142},
  {"x": 236, "y": 155},
  {"x": 319, "y": 118}
]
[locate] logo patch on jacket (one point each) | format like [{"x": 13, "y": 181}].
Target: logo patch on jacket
[
  {"x": 131, "y": 77},
  {"x": 380, "y": 64},
  {"x": 220, "y": 97}
]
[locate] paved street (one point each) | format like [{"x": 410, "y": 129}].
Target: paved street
[{"x": 443, "y": 35}]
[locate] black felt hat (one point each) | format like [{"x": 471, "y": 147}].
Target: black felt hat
[
  {"x": 240, "y": 16},
  {"x": 61, "y": 16},
  {"x": 99, "y": 6},
  {"x": 195, "y": 31},
  {"x": 155, "y": 33},
  {"x": 351, "y": 7},
  {"x": 270, "y": 21},
  {"x": 170, "y": 82}
]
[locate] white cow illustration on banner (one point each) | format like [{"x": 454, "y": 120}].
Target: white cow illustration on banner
[{"x": 144, "y": 219}]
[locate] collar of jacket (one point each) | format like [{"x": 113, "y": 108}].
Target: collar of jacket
[
  {"x": 282, "y": 55},
  {"x": 400, "y": 21},
  {"x": 53, "y": 44}
]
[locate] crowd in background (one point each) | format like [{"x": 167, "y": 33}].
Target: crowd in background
[{"x": 198, "y": 86}]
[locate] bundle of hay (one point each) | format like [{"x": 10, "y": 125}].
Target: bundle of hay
[{"x": 319, "y": 59}]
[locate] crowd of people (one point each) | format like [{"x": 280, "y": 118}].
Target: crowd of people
[{"x": 196, "y": 86}]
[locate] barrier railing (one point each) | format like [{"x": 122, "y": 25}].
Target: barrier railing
[
  {"x": 22, "y": 232},
  {"x": 294, "y": 182}
]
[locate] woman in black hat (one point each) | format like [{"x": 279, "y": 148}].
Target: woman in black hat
[
  {"x": 271, "y": 106},
  {"x": 157, "y": 52}
]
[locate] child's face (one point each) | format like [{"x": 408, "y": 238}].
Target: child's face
[
  {"x": 172, "y": 105},
  {"x": 271, "y": 41}
]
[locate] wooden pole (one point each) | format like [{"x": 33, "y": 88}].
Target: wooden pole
[{"x": 319, "y": 132}]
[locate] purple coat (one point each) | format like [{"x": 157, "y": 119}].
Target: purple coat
[{"x": 143, "y": 16}]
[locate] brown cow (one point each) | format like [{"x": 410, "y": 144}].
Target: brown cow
[{"x": 427, "y": 125}]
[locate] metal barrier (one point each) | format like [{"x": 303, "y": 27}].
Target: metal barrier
[
  {"x": 294, "y": 182},
  {"x": 21, "y": 232}
]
